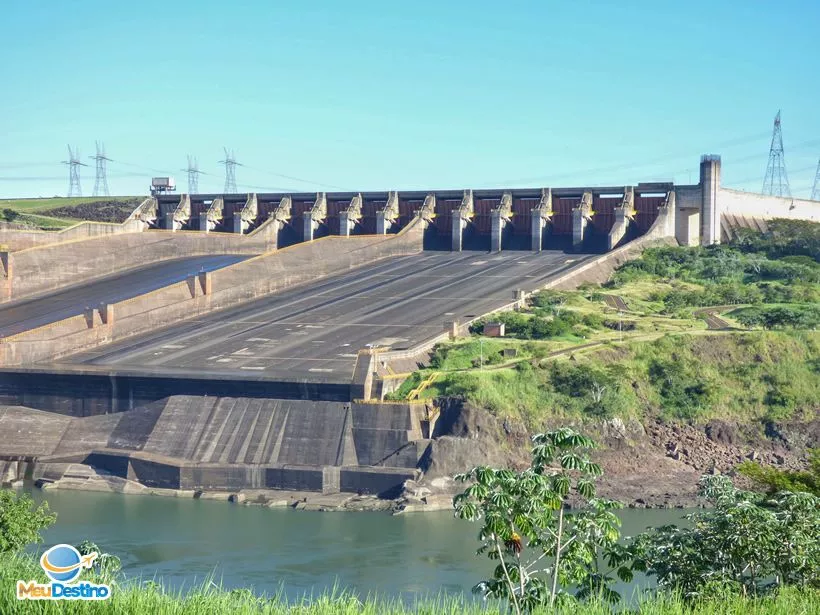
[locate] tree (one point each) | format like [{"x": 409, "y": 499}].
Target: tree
[
  {"x": 525, "y": 525},
  {"x": 747, "y": 543},
  {"x": 20, "y": 521}
]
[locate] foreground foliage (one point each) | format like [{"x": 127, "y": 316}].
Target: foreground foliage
[
  {"x": 524, "y": 521},
  {"x": 153, "y": 598},
  {"x": 20, "y": 521},
  {"x": 748, "y": 543}
]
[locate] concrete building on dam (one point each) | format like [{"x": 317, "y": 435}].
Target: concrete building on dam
[
  {"x": 534, "y": 219},
  {"x": 269, "y": 371}
]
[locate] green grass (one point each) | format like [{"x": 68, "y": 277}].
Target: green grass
[
  {"x": 665, "y": 363},
  {"x": 759, "y": 375},
  {"x": 151, "y": 597},
  {"x": 44, "y": 222},
  {"x": 34, "y": 205},
  {"x": 70, "y": 211}
]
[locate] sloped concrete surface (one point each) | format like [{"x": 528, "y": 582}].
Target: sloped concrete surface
[
  {"x": 312, "y": 333},
  {"x": 225, "y": 443},
  {"x": 19, "y": 316}
]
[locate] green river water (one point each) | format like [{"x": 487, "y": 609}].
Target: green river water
[{"x": 183, "y": 541}]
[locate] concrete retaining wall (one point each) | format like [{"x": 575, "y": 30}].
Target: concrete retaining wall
[
  {"x": 662, "y": 232},
  {"x": 46, "y": 268},
  {"x": 754, "y": 205},
  {"x": 206, "y": 293},
  {"x": 22, "y": 239}
]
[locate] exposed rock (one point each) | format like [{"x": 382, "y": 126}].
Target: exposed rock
[
  {"x": 655, "y": 464},
  {"x": 719, "y": 431}
]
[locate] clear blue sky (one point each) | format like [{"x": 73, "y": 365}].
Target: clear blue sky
[{"x": 410, "y": 95}]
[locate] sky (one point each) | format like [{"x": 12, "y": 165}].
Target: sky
[{"x": 323, "y": 96}]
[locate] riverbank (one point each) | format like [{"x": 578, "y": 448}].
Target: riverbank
[
  {"x": 281, "y": 549},
  {"x": 650, "y": 464},
  {"x": 412, "y": 499},
  {"x": 153, "y": 597}
]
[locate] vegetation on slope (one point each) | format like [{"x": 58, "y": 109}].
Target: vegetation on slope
[
  {"x": 56, "y": 213},
  {"x": 576, "y": 354}
]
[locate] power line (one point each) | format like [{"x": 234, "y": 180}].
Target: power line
[
  {"x": 100, "y": 179},
  {"x": 296, "y": 179},
  {"x": 815, "y": 189},
  {"x": 776, "y": 182},
  {"x": 193, "y": 175},
  {"x": 632, "y": 166},
  {"x": 74, "y": 165},
  {"x": 230, "y": 171}
]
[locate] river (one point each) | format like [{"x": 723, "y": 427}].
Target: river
[{"x": 182, "y": 541}]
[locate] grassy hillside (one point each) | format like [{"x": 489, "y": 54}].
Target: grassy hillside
[
  {"x": 684, "y": 333},
  {"x": 58, "y": 212}
]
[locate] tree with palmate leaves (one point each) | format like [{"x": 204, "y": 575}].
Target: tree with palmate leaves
[{"x": 541, "y": 547}]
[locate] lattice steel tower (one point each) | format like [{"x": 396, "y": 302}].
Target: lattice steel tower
[
  {"x": 815, "y": 191},
  {"x": 230, "y": 171},
  {"x": 193, "y": 175},
  {"x": 74, "y": 165},
  {"x": 100, "y": 177},
  {"x": 776, "y": 181}
]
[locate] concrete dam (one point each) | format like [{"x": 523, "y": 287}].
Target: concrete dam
[{"x": 260, "y": 362}]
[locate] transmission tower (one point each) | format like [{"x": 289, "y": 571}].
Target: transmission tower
[
  {"x": 230, "y": 171},
  {"x": 815, "y": 191},
  {"x": 193, "y": 175},
  {"x": 74, "y": 165},
  {"x": 100, "y": 177},
  {"x": 776, "y": 182}
]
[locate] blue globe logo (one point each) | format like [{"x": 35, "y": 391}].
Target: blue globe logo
[{"x": 62, "y": 563}]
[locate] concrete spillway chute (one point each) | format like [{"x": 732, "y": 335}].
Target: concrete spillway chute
[
  {"x": 460, "y": 218},
  {"x": 389, "y": 214},
  {"x": 428, "y": 208},
  {"x": 581, "y": 216},
  {"x": 246, "y": 216},
  {"x": 350, "y": 216},
  {"x": 314, "y": 217},
  {"x": 501, "y": 216},
  {"x": 624, "y": 218},
  {"x": 539, "y": 218},
  {"x": 174, "y": 220},
  {"x": 209, "y": 219},
  {"x": 147, "y": 212}
]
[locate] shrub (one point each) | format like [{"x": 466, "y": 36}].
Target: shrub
[
  {"x": 748, "y": 542},
  {"x": 20, "y": 521},
  {"x": 780, "y": 316},
  {"x": 684, "y": 392},
  {"x": 772, "y": 480}
]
